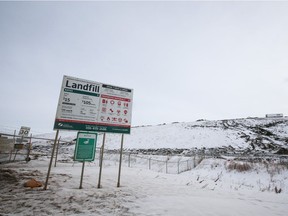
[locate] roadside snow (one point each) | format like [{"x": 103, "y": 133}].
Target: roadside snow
[
  {"x": 214, "y": 187},
  {"x": 209, "y": 189}
]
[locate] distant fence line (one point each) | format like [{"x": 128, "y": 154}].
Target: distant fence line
[
  {"x": 173, "y": 164},
  {"x": 160, "y": 163}
]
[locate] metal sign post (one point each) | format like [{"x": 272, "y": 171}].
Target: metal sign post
[
  {"x": 51, "y": 160},
  {"x": 57, "y": 149},
  {"x": 120, "y": 160},
  {"x": 101, "y": 161},
  {"x": 82, "y": 173}
]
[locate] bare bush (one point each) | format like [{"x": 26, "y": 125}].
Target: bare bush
[
  {"x": 238, "y": 166},
  {"x": 274, "y": 168}
]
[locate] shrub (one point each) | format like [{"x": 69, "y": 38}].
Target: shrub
[{"x": 238, "y": 166}]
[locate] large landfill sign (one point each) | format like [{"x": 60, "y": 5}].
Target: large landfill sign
[{"x": 92, "y": 106}]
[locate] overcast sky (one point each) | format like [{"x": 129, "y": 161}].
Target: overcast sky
[{"x": 184, "y": 60}]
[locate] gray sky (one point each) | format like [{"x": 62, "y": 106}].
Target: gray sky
[{"x": 184, "y": 60}]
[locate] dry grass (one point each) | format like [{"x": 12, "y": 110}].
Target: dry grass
[{"x": 238, "y": 166}]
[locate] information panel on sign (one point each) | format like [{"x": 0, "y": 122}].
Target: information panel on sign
[
  {"x": 85, "y": 146},
  {"x": 93, "y": 106}
]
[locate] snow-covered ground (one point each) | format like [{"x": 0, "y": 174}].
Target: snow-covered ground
[
  {"x": 209, "y": 189},
  {"x": 214, "y": 186}
]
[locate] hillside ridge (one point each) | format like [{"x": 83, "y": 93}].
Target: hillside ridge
[{"x": 269, "y": 135}]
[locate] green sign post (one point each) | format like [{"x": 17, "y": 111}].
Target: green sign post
[{"x": 85, "y": 149}]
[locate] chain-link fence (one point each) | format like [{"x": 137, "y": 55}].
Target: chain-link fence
[
  {"x": 166, "y": 164},
  {"x": 19, "y": 148}
]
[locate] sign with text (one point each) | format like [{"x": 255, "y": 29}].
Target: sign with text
[
  {"x": 24, "y": 131},
  {"x": 93, "y": 106},
  {"x": 85, "y": 146}
]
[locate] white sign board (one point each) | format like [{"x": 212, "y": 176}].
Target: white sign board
[
  {"x": 24, "y": 131},
  {"x": 92, "y": 106}
]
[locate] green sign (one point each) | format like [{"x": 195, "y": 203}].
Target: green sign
[{"x": 85, "y": 146}]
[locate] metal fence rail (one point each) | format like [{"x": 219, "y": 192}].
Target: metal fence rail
[
  {"x": 19, "y": 148},
  {"x": 165, "y": 164}
]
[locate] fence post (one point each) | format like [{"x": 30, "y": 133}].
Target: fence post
[
  {"x": 129, "y": 156},
  {"x": 178, "y": 163},
  {"x": 29, "y": 149},
  {"x": 167, "y": 166},
  {"x": 14, "y": 141},
  {"x": 149, "y": 163}
]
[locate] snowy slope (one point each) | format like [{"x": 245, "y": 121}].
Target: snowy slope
[
  {"x": 257, "y": 133},
  {"x": 265, "y": 134}
]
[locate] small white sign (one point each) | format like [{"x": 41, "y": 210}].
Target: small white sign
[{"x": 24, "y": 131}]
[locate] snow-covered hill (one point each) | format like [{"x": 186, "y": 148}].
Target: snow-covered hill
[
  {"x": 262, "y": 134},
  {"x": 268, "y": 135}
]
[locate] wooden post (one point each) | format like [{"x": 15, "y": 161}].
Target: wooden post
[
  {"x": 15, "y": 154},
  {"x": 120, "y": 160},
  {"x": 29, "y": 149},
  {"x": 100, "y": 156},
  {"x": 101, "y": 161},
  {"x": 178, "y": 165},
  {"x": 51, "y": 160},
  {"x": 58, "y": 143},
  {"x": 129, "y": 157},
  {"x": 14, "y": 141},
  {"x": 82, "y": 173},
  {"x": 149, "y": 163},
  {"x": 167, "y": 166},
  {"x": 22, "y": 138}
]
